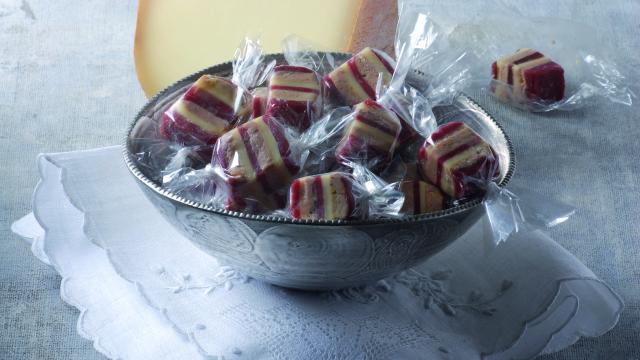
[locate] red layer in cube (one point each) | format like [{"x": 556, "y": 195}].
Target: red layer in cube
[{"x": 259, "y": 103}]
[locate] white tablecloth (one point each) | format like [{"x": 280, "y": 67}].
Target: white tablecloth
[{"x": 144, "y": 291}]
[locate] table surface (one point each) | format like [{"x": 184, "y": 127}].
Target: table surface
[{"x": 67, "y": 82}]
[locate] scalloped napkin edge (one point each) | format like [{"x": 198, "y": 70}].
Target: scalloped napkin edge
[{"x": 565, "y": 314}]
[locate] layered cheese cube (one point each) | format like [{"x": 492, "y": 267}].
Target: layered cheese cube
[
  {"x": 371, "y": 136},
  {"x": 457, "y": 160},
  {"x": 254, "y": 163},
  {"x": 209, "y": 108},
  {"x": 528, "y": 75},
  {"x": 356, "y": 80},
  {"x": 322, "y": 197},
  {"x": 421, "y": 197},
  {"x": 295, "y": 96}
]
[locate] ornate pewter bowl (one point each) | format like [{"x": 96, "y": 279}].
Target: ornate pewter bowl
[{"x": 314, "y": 255}]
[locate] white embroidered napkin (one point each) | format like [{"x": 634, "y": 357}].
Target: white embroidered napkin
[{"x": 528, "y": 296}]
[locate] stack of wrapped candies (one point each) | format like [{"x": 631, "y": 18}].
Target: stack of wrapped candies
[
  {"x": 321, "y": 136},
  {"x": 263, "y": 143}
]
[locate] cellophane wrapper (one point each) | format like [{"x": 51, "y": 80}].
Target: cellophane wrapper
[
  {"x": 459, "y": 50},
  {"x": 507, "y": 211}
]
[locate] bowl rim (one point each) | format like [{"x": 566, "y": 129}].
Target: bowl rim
[{"x": 152, "y": 185}]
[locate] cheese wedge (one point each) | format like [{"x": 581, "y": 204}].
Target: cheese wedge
[{"x": 175, "y": 38}]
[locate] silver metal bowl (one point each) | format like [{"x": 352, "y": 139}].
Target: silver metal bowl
[{"x": 313, "y": 255}]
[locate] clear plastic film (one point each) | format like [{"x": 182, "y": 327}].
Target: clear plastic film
[
  {"x": 300, "y": 52},
  {"x": 464, "y": 160},
  {"x": 410, "y": 105},
  {"x": 159, "y": 156},
  {"x": 250, "y": 69},
  {"x": 318, "y": 143},
  {"x": 521, "y": 210},
  {"x": 537, "y": 64},
  {"x": 383, "y": 199},
  {"x": 193, "y": 184},
  {"x": 431, "y": 63}
]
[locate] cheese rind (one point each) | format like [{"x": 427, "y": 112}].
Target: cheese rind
[
  {"x": 375, "y": 26},
  {"x": 457, "y": 159}
]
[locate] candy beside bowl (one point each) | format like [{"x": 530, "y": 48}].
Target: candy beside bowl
[{"x": 310, "y": 254}]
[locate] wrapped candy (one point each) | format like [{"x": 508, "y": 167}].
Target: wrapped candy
[
  {"x": 295, "y": 96},
  {"x": 421, "y": 197},
  {"x": 527, "y": 75},
  {"x": 253, "y": 163},
  {"x": 371, "y": 136},
  {"x": 455, "y": 53},
  {"x": 328, "y": 197},
  {"x": 457, "y": 160},
  {"x": 209, "y": 108},
  {"x": 259, "y": 102},
  {"x": 357, "y": 79}
]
